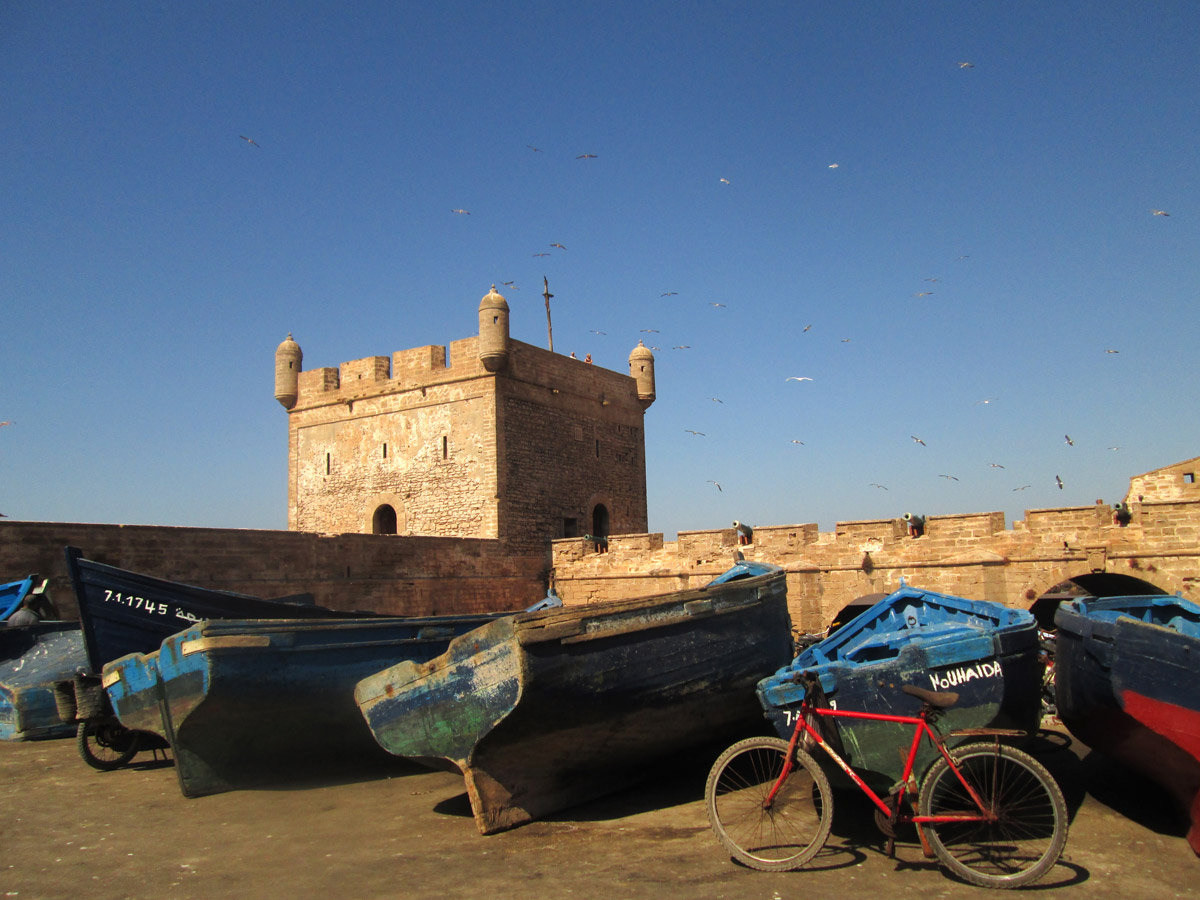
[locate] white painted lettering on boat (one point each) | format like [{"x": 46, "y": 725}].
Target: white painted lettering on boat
[
  {"x": 153, "y": 607},
  {"x": 962, "y": 675}
]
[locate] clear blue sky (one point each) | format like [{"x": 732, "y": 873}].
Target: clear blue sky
[{"x": 151, "y": 260}]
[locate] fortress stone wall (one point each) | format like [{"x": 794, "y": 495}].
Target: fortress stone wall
[
  {"x": 972, "y": 555},
  {"x": 414, "y": 576}
]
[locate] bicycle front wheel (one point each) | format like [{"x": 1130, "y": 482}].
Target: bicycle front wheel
[
  {"x": 774, "y": 836},
  {"x": 1025, "y": 817}
]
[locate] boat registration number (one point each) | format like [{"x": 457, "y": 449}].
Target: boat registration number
[{"x": 153, "y": 607}]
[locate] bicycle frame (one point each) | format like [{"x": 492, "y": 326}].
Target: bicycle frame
[{"x": 922, "y": 730}]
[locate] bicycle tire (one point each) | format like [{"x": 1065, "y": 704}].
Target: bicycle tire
[
  {"x": 789, "y": 832},
  {"x": 106, "y": 744},
  {"x": 1029, "y": 829}
]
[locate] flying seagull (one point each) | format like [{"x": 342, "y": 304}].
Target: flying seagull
[
  {"x": 966, "y": 65},
  {"x": 668, "y": 293},
  {"x": 996, "y": 465},
  {"x": 1021, "y": 488},
  {"x": 461, "y": 212},
  {"x": 698, "y": 433},
  {"x": 682, "y": 347},
  {"x": 1058, "y": 481},
  {"x": 833, "y": 165},
  {"x": 710, "y": 303},
  {"x": 541, "y": 254},
  {"x": 1112, "y": 351},
  {"x": 2, "y": 424},
  {"x": 797, "y": 378},
  {"x": 587, "y": 156},
  {"x": 1157, "y": 212},
  {"x": 254, "y": 143},
  {"x": 594, "y": 331},
  {"x": 807, "y": 327},
  {"x": 801, "y": 443},
  {"x": 533, "y": 148},
  {"x": 649, "y": 330},
  {"x": 724, "y": 181},
  {"x": 923, "y": 294},
  {"x": 559, "y": 246},
  {"x": 710, "y": 481},
  {"x": 845, "y": 340},
  {"x": 1070, "y": 443},
  {"x": 716, "y": 399},
  {"x": 882, "y": 487},
  {"x": 951, "y": 477},
  {"x": 917, "y": 439}
]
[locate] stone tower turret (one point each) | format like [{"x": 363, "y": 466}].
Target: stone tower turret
[
  {"x": 641, "y": 369},
  {"x": 288, "y": 360},
  {"x": 493, "y": 331}
]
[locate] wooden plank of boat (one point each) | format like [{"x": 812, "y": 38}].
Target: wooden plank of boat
[
  {"x": 32, "y": 659},
  {"x": 541, "y": 711}
]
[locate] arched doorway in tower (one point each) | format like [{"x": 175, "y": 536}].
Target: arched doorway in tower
[
  {"x": 384, "y": 520},
  {"x": 600, "y": 520}
]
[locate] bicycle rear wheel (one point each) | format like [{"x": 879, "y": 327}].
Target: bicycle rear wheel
[
  {"x": 1027, "y": 816},
  {"x": 781, "y": 835}
]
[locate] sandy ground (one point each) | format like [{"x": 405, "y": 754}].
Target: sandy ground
[{"x": 399, "y": 831}]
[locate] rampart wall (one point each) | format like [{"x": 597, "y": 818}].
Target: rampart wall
[
  {"x": 972, "y": 555},
  {"x": 395, "y": 575}
]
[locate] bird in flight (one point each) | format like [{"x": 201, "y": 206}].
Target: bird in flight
[
  {"x": 541, "y": 254},
  {"x": 254, "y": 143},
  {"x": 801, "y": 443},
  {"x": 996, "y": 465},
  {"x": 559, "y": 246},
  {"x": 511, "y": 284},
  {"x": 845, "y": 340},
  {"x": 923, "y": 294},
  {"x": 1112, "y": 351},
  {"x": 710, "y": 481},
  {"x": 594, "y": 331},
  {"x": 1021, "y": 488},
  {"x": 984, "y": 402},
  {"x": 1157, "y": 212},
  {"x": 882, "y": 487},
  {"x": 966, "y": 65},
  {"x": 724, "y": 181},
  {"x": 587, "y": 156},
  {"x": 1070, "y": 443},
  {"x": 917, "y": 439},
  {"x": 1110, "y": 448},
  {"x": 807, "y": 328},
  {"x": 797, "y": 378},
  {"x": 719, "y": 305},
  {"x": 668, "y": 293},
  {"x": 833, "y": 165},
  {"x": 2, "y": 424},
  {"x": 461, "y": 212},
  {"x": 716, "y": 399},
  {"x": 533, "y": 148},
  {"x": 951, "y": 477},
  {"x": 682, "y": 347},
  {"x": 1058, "y": 481},
  {"x": 649, "y": 330},
  {"x": 697, "y": 433}
]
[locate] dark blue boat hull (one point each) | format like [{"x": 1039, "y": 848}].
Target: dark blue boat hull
[{"x": 1127, "y": 682}]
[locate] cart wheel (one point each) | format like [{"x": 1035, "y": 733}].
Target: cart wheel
[{"x": 105, "y": 743}]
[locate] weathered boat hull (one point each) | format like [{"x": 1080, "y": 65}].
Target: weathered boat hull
[
  {"x": 126, "y": 612},
  {"x": 243, "y": 703},
  {"x": 985, "y": 652},
  {"x": 12, "y": 594},
  {"x": 542, "y": 711},
  {"x": 32, "y": 659},
  {"x": 1127, "y": 684}
]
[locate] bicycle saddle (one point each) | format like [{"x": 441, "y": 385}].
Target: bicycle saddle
[{"x": 940, "y": 699}]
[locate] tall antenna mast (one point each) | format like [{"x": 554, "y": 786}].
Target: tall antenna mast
[{"x": 549, "y": 328}]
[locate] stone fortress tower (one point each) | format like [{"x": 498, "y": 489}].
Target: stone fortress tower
[{"x": 493, "y": 439}]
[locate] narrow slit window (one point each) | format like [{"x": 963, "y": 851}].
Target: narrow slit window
[
  {"x": 385, "y": 451},
  {"x": 597, "y": 448},
  {"x": 445, "y": 447},
  {"x": 327, "y": 465}
]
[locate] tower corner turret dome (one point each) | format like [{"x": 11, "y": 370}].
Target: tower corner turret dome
[
  {"x": 289, "y": 359},
  {"x": 493, "y": 331}
]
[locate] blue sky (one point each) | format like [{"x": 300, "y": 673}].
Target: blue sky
[{"x": 152, "y": 260}]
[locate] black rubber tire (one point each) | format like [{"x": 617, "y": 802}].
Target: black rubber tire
[
  {"x": 1030, "y": 828},
  {"x": 106, "y": 744},
  {"x": 789, "y": 832}
]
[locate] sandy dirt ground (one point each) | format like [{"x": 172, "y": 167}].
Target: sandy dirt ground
[{"x": 394, "y": 830}]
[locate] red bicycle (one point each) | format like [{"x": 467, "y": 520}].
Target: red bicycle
[{"x": 990, "y": 813}]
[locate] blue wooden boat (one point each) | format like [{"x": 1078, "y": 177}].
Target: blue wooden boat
[
  {"x": 126, "y": 612},
  {"x": 1127, "y": 684},
  {"x": 32, "y": 659},
  {"x": 544, "y": 710},
  {"x": 986, "y": 652},
  {"x": 12, "y": 595},
  {"x": 242, "y": 702}
]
